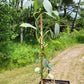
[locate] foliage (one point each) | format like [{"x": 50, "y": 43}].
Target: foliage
[
  {"x": 21, "y": 55},
  {"x": 66, "y": 2},
  {"x": 16, "y": 56},
  {"x": 9, "y": 22},
  {"x": 13, "y": 54},
  {"x": 80, "y": 21},
  {"x": 81, "y": 3},
  {"x": 5, "y": 21},
  {"x": 48, "y": 7}
]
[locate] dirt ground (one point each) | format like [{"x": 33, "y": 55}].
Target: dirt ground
[{"x": 69, "y": 65}]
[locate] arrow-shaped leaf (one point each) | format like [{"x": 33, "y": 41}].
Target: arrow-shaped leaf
[
  {"x": 37, "y": 69},
  {"x": 45, "y": 62},
  {"x": 51, "y": 76},
  {"x": 50, "y": 14},
  {"x": 55, "y": 13},
  {"x": 56, "y": 29},
  {"x": 28, "y": 4},
  {"x": 47, "y": 5},
  {"x": 37, "y": 4},
  {"x": 27, "y": 25},
  {"x": 50, "y": 67}
]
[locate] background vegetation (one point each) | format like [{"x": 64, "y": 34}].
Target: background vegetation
[{"x": 15, "y": 52}]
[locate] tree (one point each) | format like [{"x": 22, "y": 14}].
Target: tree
[
  {"x": 74, "y": 21},
  {"x": 9, "y": 1},
  {"x": 17, "y": 4},
  {"x": 66, "y": 3},
  {"x": 13, "y": 1},
  {"x": 21, "y": 33},
  {"x": 5, "y": 22}
]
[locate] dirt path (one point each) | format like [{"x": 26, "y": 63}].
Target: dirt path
[{"x": 69, "y": 65}]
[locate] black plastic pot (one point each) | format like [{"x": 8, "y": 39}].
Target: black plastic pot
[{"x": 45, "y": 81}]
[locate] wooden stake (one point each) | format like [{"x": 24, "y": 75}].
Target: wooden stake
[{"x": 41, "y": 28}]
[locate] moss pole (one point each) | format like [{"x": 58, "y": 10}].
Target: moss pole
[{"x": 41, "y": 28}]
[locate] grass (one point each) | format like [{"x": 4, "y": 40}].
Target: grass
[
  {"x": 26, "y": 75},
  {"x": 82, "y": 55},
  {"x": 15, "y": 54}
]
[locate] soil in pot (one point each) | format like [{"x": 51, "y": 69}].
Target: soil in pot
[{"x": 48, "y": 81}]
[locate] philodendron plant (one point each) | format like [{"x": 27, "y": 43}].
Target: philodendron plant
[{"x": 39, "y": 7}]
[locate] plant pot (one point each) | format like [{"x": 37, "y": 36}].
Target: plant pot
[{"x": 49, "y": 81}]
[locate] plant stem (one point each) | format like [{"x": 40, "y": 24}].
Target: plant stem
[{"x": 41, "y": 28}]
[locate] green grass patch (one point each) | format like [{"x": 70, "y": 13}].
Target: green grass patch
[
  {"x": 14, "y": 54},
  {"x": 25, "y": 75}
]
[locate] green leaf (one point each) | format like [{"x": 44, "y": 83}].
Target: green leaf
[
  {"x": 48, "y": 32},
  {"x": 55, "y": 13},
  {"x": 56, "y": 29},
  {"x": 51, "y": 76},
  {"x": 52, "y": 35},
  {"x": 27, "y": 25},
  {"x": 50, "y": 67},
  {"x": 37, "y": 61},
  {"x": 41, "y": 73},
  {"x": 37, "y": 4},
  {"x": 45, "y": 62},
  {"x": 39, "y": 58},
  {"x": 37, "y": 69},
  {"x": 28, "y": 4},
  {"x": 50, "y": 14},
  {"x": 47, "y": 5}
]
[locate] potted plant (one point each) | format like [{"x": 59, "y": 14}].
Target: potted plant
[{"x": 39, "y": 7}]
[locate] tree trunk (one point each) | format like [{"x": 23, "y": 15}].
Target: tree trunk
[
  {"x": 21, "y": 34},
  {"x": 64, "y": 11},
  {"x": 59, "y": 9},
  {"x": 3, "y": 0},
  {"x": 13, "y": 2},
  {"x": 9, "y": 1},
  {"x": 17, "y": 4},
  {"x": 74, "y": 21}
]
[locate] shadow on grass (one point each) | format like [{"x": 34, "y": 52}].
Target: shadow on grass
[
  {"x": 80, "y": 38},
  {"x": 31, "y": 41}
]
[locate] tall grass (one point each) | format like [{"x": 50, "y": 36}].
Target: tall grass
[{"x": 14, "y": 54}]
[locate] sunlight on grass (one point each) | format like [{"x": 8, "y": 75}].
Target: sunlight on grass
[{"x": 24, "y": 75}]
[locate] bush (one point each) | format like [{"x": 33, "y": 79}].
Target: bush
[{"x": 80, "y": 23}]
